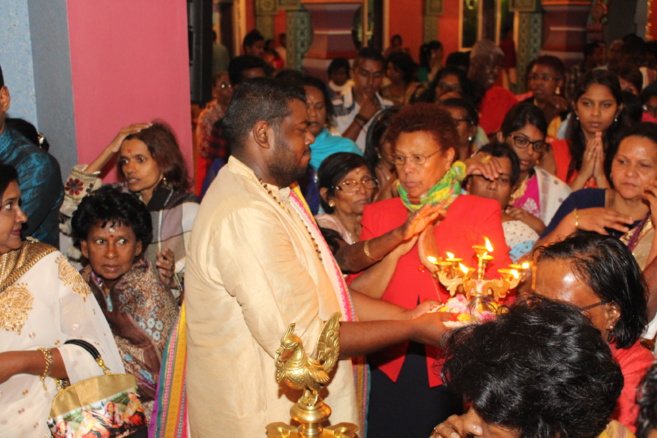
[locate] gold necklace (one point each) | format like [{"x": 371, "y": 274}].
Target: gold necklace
[{"x": 278, "y": 201}]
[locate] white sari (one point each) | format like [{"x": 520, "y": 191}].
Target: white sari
[{"x": 45, "y": 305}]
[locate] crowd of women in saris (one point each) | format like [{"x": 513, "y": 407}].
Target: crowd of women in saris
[{"x": 422, "y": 162}]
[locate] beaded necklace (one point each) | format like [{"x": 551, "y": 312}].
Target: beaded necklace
[{"x": 278, "y": 201}]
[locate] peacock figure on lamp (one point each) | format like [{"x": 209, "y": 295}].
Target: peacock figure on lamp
[{"x": 295, "y": 369}]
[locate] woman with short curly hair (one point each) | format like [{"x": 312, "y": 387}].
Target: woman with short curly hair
[{"x": 113, "y": 229}]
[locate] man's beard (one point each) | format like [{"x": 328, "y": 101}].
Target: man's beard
[{"x": 283, "y": 167}]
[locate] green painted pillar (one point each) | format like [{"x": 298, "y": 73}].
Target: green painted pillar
[
  {"x": 432, "y": 10},
  {"x": 529, "y": 35}
]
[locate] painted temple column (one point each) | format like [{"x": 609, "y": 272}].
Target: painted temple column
[
  {"x": 529, "y": 37},
  {"x": 299, "y": 35},
  {"x": 565, "y": 30},
  {"x": 432, "y": 10},
  {"x": 265, "y": 11},
  {"x": 331, "y": 33}
]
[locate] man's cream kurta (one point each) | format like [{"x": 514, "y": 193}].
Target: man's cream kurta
[{"x": 252, "y": 270}]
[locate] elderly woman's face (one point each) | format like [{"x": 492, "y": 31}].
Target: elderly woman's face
[
  {"x": 12, "y": 219},
  {"x": 418, "y": 179},
  {"x": 634, "y": 168},
  {"x": 556, "y": 280},
  {"x": 111, "y": 249},
  {"x": 354, "y": 192}
]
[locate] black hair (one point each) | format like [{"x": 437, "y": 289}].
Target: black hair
[
  {"x": 467, "y": 89},
  {"x": 426, "y": 117},
  {"x": 289, "y": 75},
  {"x": 333, "y": 169},
  {"x": 2, "y": 78},
  {"x": 500, "y": 150},
  {"x": 397, "y": 36},
  {"x": 633, "y": 50},
  {"x": 606, "y": 265},
  {"x": 110, "y": 205},
  {"x": 648, "y": 92},
  {"x": 575, "y": 134},
  {"x": 311, "y": 81},
  {"x": 371, "y": 54},
  {"x": 633, "y": 111},
  {"x": 459, "y": 60},
  {"x": 403, "y": 63},
  {"x": 550, "y": 61},
  {"x": 522, "y": 114},
  {"x": 375, "y": 136},
  {"x": 258, "y": 99},
  {"x": 541, "y": 369},
  {"x": 337, "y": 64},
  {"x": 589, "y": 49},
  {"x": 465, "y": 104},
  {"x": 8, "y": 174},
  {"x": 425, "y": 52},
  {"x": 161, "y": 142},
  {"x": 645, "y": 130},
  {"x": 240, "y": 64},
  {"x": 647, "y": 401},
  {"x": 28, "y": 131},
  {"x": 631, "y": 74},
  {"x": 251, "y": 38}
]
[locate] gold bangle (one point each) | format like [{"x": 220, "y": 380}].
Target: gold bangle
[
  {"x": 366, "y": 250},
  {"x": 47, "y": 355},
  {"x": 576, "y": 219}
]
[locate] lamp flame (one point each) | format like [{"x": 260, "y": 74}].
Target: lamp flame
[
  {"x": 463, "y": 268},
  {"x": 449, "y": 255},
  {"x": 432, "y": 259},
  {"x": 526, "y": 265},
  {"x": 489, "y": 247},
  {"x": 515, "y": 273}
]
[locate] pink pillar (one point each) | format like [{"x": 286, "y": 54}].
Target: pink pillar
[{"x": 129, "y": 64}]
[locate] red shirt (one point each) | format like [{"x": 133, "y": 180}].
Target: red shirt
[
  {"x": 634, "y": 363},
  {"x": 468, "y": 221},
  {"x": 496, "y": 103}
]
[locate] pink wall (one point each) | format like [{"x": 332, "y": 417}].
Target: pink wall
[
  {"x": 448, "y": 26},
  {"x": 129, "y": 63},
  {"x": 405, "y": 19}
]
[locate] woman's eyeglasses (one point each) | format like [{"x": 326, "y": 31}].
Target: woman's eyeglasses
[
  {"x": 352, "y": 185},
  {"x": 502, "y": 180},
  {"x": 594, "y": 305},
  {"x": 417, "y": 160},
  {"x": 522, "y": 142}
]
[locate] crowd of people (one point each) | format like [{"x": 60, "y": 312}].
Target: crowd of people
[{"x": 311, "y": 196}]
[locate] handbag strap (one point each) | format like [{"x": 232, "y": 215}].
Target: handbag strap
[{"x": 93, "y": 351}]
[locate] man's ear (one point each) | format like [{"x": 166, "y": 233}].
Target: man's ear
[
  {"x": 5, "y": 99},
  {"x": 262, "y": 133}
]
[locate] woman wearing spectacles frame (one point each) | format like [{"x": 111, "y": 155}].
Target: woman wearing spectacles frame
[
  {"x": 403, "y": 379},
  {"x": 599, "y": 275},
  {"x": 538, "y": 194},
  {"x": 346, "y": 185},
  {"x": 545, "y": 80}
]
